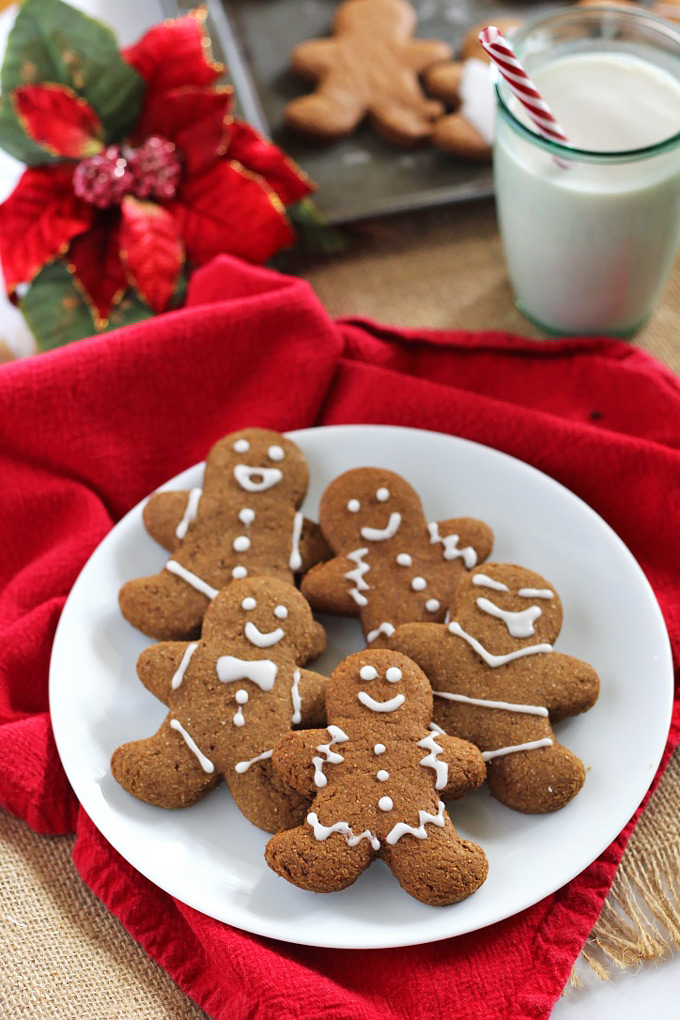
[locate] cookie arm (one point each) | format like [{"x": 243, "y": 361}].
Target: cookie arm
[
  {"x": 313, "y": 58},
  {"x": 327, "y": 588},
  {"x": 313, "y": 547},
  {"x": 471, "y": 533},
  {"x": 467, "y": 769},
  {"x": 312, "y": 692},
  {"x": 158, "y": 664},
  {"x": 292, "y": 759},
  {"x": 162, "y": 513},
  {"x": 567, "y": 686},
  {"x": 420, "y": 54}
]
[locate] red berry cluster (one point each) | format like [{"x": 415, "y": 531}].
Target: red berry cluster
[{"x": 151, "y": 171}]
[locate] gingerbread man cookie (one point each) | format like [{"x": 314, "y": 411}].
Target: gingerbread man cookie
[
  {"x": 390, "y": 566},
  {"x": 230, "y": 697},
  {"x": 465, "y": 85},
  {"x": 379, "y": 778},
  {"x": 369, "y": 67},
  {"x": 499, "y": 682},
  {"x": 243, "y": 523}
]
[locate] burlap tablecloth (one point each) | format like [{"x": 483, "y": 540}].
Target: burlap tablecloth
[{"x": 63, "y": 955}]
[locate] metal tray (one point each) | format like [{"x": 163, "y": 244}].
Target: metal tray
[{"x": 359, "y": 176}]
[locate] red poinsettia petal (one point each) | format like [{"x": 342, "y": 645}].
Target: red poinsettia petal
[
  {"x": 59, "y": 119},
  {"x": 152, "y": 251},
  {"x": 229, "y": 210},
  {"x": 175, "y": 53},
  {"x": 194, "y": 118},
  {"x": 38, "y": 221},
  {"x": 257, "y": 154},
  {"x": 94, "y": 260}
]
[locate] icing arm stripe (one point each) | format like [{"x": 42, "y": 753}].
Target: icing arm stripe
[
  {"x": 243, "y": 766},
  {"x": 189, "y": 513},
  {"x": 338, "y": 736},
  {"x": 295, "y": 697},
  {"x": 357, "y": 575},
  {"x": 497, "y": 660},
  {"x": 530, "y": 745},
  {"x": 451, "y": 551},
  {"x": 295, "y": 561},
  {"x": 182, "y": 668},
  {"x": 322, "y": 832},
  {"x": 192, "y": 579},
  {"x": 401, "y": 828},
  {"x": 384, "y": 628},
  {"x": 204, "y": 762},
  {"x": 507, "y": 706},
  {"x": 430, "y": 760}
]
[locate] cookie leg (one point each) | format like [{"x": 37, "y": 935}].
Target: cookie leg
[
  {"x": 162, "y": 770},
  {"x": 265, "y": 799},
  {"x": 440, "y": 869},
  {"x": 406, "y": 124},
  {"x": 164, "y": 607},
  {"x": 538, "y": 781},
  {"x": 326, "y": 114},
  {"x": 318, "y": 865}
]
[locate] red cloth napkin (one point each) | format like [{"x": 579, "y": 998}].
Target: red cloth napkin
[{"x": 87, "y": 431}]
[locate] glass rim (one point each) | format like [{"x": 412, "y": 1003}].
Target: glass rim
[{"x": 570, "y": 151}]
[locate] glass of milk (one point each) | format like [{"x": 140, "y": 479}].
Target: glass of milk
[{"x": 591, "y": 230}]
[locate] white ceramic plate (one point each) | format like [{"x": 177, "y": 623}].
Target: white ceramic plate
[{"x": 211, "y": 858}]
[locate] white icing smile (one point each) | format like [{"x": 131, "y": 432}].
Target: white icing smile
[
  {"x": 257, "y": 479},
  {"x": 380, "y": 534},
  {"x": 520, "y": 624},
  {"x": 260, "y": 638},
  {"x": 381, "y": 706}
]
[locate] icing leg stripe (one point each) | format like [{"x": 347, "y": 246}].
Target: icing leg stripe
[
  {"x": 182, "y": 668},
  {"x": 451, "y": 550},
  {"x": 401, "y": 828},
  {"x": 295, "y": 697},
  {"x": 205, "y": 589},
  {"x": 243, "y": 766},
  {"x": 189, "y": 513},
  {"x": 295, "y": 561},
  {"x": 322, "y": 832},
  {"x": 505, "y": 705},
  {"x": 529, "y": 746},
  {"x": 204, "y": 762},
  {"x": 496, "y": 660},
  {"x": 384, "y": 628}
]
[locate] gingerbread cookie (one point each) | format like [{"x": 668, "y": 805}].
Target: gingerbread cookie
[
  {"x": 243, "y": 523},
  {"x": 379, "y": 778},
  {"x": 369, "y": 67},
  {"x": 230, "y": 697},
  {"x": 390, "y": 566},
  {"x": 465, "y": 86},
  {"x": 499, "y": 682}
]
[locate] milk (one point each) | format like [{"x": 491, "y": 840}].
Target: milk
[{"x": 590, "y": 240}]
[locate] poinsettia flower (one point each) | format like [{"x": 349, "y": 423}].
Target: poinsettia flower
[{"x": 189, "y": 181}]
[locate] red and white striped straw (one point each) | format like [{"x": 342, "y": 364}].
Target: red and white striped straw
[{"x": 520, "y": 84}]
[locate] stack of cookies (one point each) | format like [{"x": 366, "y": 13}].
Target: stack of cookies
[{"x": 459, "y": 681}]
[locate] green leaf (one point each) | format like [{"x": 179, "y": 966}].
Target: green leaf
[
  {"x": 55, "y": 310},
  {"x": 52, "y": 42},
  {"x": 129, "y": 310},
  {"x": 13, "y": 138},
  {"x": 315, "y": 236}
]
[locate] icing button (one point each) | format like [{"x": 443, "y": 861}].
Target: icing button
[{"x": 385, "y": 803}]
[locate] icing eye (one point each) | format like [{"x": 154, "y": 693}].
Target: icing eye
[
  {"x": 393, "y": 674},
  {"x": 382, "y": 495},
  {"x": 248, "y": 603},
  {"x": 275, "y": 453},
  {"x": 368, "y": 672},
  {"x": 241, "y": 445},
  {"x": 354, "y": 506},
  {"x": 404, "y": 560},
  {"x": 280, "y": 612}
]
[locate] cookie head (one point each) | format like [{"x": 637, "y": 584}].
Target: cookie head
[
  {"x": 507, "y": 607},
  {"x": 266, "y": 618},
  {"x": 374, "y": 689},
  {"x": 254, "y": 461},
  {"x": 369, "y": 505}
]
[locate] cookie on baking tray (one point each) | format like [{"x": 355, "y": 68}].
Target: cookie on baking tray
[
  {"x": 243, "y": 523},
  {"x": 499, "y": 683},
  {"x": 390, "y": 565},
  {"x": 369, "y": 67},
  {"x": 230, "y": 697},
  {"x": 379, "y": 777}
]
